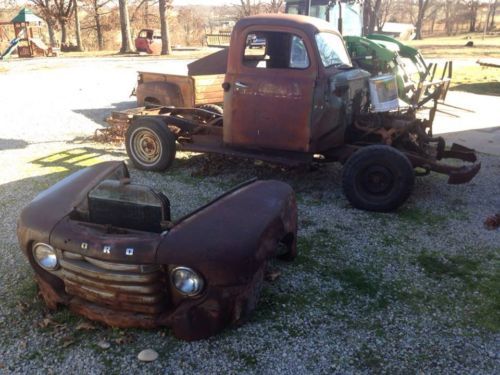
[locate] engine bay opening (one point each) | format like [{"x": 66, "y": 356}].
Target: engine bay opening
[{"x": 120, "y": 204}]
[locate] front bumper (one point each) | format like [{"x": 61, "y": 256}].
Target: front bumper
[{"x": 140, "y": 295}]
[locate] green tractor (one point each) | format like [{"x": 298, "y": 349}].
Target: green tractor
[{"x": 380, "y": 54}]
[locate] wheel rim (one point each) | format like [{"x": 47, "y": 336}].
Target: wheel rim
[
  {"x": 376, "y": 180},
  {"x": 146, "y": 146}
]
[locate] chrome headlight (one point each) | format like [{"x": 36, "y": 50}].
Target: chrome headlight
[
  {"x": 45, "y": 256},
  {"x": 186, "y": 281}
]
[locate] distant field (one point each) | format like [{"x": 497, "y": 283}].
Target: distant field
[{"x": 454, "y": 46}]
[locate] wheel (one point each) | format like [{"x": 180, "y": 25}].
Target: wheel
[
  {"x": 378, "y": 178},
  {"x": 150, "y": 144},
  {"x": 212, "y": 108}
]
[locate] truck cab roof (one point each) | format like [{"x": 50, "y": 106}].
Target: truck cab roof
[{"x": 307, "y": 24}]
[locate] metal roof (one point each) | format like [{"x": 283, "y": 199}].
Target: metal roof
[{"x": 26, "y": 15}]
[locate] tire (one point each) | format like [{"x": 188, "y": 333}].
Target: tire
[
  {"x": 378, "y": 178},
  {"x": 212, "y": 108},
  {"x": 150, "y": 144}
]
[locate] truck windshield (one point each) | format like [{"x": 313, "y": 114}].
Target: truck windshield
[{"x": 332, "y": 50}]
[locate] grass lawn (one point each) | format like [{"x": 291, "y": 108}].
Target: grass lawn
[{"x": 477, "y": 80}]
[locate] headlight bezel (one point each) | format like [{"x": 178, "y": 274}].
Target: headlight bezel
[
  {"x": 51, "y": 255},
  {"x": 200, "y": 282}
]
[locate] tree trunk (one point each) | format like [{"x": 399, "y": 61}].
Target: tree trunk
[
  {"x": 52, "y": 34},
  {"x": 165, "y": 37},
  {"x": 98, "y": 29},
  {"x": 422, "y": 8},
  {"x": 78, "y": 32},
  {"x": 491, "y": 15},
  {"x": 64, "y": 31},
  {"x": 125, "y": 28},
  {"x": 473, "y": 16}
]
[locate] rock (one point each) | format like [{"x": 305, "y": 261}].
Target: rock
[
  {"x": 147, "y": 355},
  {"x": 104, "y": 344}
]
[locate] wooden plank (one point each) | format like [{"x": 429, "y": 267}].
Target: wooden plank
[{"x": 211, "y": 97}]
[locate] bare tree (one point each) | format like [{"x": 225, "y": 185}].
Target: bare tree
[
  {"x": 383, "y": 13},
  {"x": 126, "y": 46},
  {"x": 422, "y": 9},
  {"x": 274, "y": 6},
  {"x": 165, "y": 37},
  {"x": 63, "y": 12},
  {"x": 78, "y": 32},
  {"x": 490, "y": 20},
  {"x": 45, "y": 9},
  {"x": 96, "y": 9},
  {"x": 248, "y": 7},
  {"x": 473, "y": 8},
  {"x": 370, "y": 14}
]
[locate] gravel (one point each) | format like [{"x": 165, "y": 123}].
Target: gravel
[{"x": 411, "y": 291}]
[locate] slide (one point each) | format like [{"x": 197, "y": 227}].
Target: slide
[
  {"x": 38, "y": 42},
  {"x": 13, "y": 44}
]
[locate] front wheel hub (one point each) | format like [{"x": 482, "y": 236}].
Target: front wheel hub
[{"x": 377, "y": 179}]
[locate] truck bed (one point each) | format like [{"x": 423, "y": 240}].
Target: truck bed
[{"x": 190, "y": 91}]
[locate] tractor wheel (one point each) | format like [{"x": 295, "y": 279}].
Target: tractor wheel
[
  {"x": 212, "y": 108},
  {"x": 378, "y": 178},
  {"x": 150, "y": 144}
]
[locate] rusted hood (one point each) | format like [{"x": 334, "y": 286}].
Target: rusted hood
[{"x": 53, "y": 204}]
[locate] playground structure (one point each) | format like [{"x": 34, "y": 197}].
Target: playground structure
[{"x": 28, "y": 36}]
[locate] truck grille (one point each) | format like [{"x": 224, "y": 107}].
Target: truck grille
[{"x": 129, "y": 287}]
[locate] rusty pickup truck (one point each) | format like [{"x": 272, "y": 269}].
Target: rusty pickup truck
[
  {"x": 109, "y": 250},
  {"x": 297, "y": 100}
]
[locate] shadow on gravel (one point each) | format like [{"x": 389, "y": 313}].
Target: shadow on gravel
[
  {"x": 316, "y": 178},
  {"x": 98, "y": 115},
  {"x": 11, "y": 144}
]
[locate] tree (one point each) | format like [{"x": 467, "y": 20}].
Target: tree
[
  {"x": 45, "y": 9},
  {"x": 422, "y": 8},
  {"x": 63, "y": 10},
  {"x": 78, "y": 32},
  {"x": 165, "y": 37},
  {"x": 126, "y": 46},
  {"x": 490, "y": 20},
  {"x": 248, "y": 7},
  {"x": 96, "y": 10},
  {"x": 473, "y": 8},
  {"x": 274, "y": 6},
  {"x": 370, "y": 14}
]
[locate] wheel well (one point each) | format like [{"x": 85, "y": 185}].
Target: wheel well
[{"x": 150, "y": 100}]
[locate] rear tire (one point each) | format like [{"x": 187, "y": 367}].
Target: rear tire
[
  {"x": 212, "y": 108},
  {"x": 378, "y": 178},
  {"x": 150, "y": 144}
]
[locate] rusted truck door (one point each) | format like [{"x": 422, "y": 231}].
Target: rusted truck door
[{"x": 268, "y": 90}]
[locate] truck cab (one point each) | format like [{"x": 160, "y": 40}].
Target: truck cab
[{"x": 280, "y": 96}]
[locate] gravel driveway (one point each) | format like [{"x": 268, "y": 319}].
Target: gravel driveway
[{"x": 412, "y": 291}]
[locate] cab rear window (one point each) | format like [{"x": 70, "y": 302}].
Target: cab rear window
[{"x": 275, "y": 50}]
